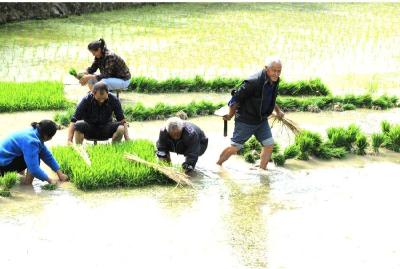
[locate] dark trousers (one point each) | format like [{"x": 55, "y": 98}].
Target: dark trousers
[{"x": 17, "y": 165}]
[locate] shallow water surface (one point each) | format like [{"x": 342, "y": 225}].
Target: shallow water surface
[{"x": 316, "y": 214}]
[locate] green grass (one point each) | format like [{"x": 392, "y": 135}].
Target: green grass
[
  {"x": 39, "y": 95},
  {"x": 218, "y": 40},
  {"x": 313, "y": 87},
  {"x": 108, "y": 167},
  {"x": 6, "y": 183}
]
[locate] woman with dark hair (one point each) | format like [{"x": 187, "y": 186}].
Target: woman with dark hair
[
  {"x": 24, "y": 150},
  {"x": 113, "y": 70}
]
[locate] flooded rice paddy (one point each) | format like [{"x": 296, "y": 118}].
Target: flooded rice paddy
[{"x": 316, "y": 214}]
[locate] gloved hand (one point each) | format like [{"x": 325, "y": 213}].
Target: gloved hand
[{"x": 187, "y": 167}]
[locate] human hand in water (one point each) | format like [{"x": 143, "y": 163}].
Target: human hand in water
[{"x": 62, "y": 177}]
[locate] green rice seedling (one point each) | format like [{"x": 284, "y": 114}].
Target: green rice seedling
[
  {"x": 338, "y": 137},
  {"x": 249, "y": 157},
  {"x": 377, "y": 141},
  {"x": 341, "y": 137},
  {"x": 381, "y": 102},
  {"x": 8, "y": 180},
  {"x": 278, "y": 159},
  {"x": 305, "y": 145},
  {"x": 328, "y": 151},
  {"x": 291, "y": 152},
  {"x": 49, "y": 187},
  {"x": 315, "y": 138},
  {"x": 109, "y": 168},
  {"x": 393, "y": 138},
  {"x": 220, "y": 84},
  {"x": 27, "y": 96},
  {"x": 73, "y": 72},
  {"x": 364, "y": 101},
  {"x": 197, "y": 84},
  {"x": 288, "y": 103},
  {"x": 385, "y": 127},
  {"x": 5, "y": 193},
  {"x": 77, "y": 75},
  {"x": 352, "y": 132},
  {"x": 361, "y": 144},
  {"x": 313, "y": 87},
  {"x": 349, "y": 107},
  {"x": 139, "y": 112},
  {"x": 64, "y": 118},
  {"x": 277, "y": 148},
  {"x": 251, "y": 145}
]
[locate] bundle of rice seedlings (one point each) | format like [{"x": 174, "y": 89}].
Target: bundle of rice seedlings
[
  {"x": 393, "y": 138},
  {"x": 305, "y": 145},
  {"x": 251, "y": 145},
  {"x": 377, "y": 141},
  {"x": 7, "y": 182},
  {"x": 276, "y": 148},
  {"x": 361, "y": 144},
  {"x": 341, "y": 137},
  {"x": 5, "y": 193},
  {"x": 385, "y": 127},
  {"x": 291, "y": 152},
  {"x": 315, "y": 138},
  {"x": 349, "y": 107},
  {"x": 278, "y": 159},
  {"x": 73, "y": 72},
  {"x": 286, "y": 123},
  {"x": 249, "y": 157},
  {"x": 49, "y": 187},
  {"x": 328, "y": 151},
  {"x": 170, "y": 172}
]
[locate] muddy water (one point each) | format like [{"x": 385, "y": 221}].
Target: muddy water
[{"x": 316, "y": 214}]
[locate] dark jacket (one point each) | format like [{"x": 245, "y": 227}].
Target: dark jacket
[
  {"x": 250, "y": 97},
  {"x": 110, "y": 65},
  {"x": 192, "y": 143},
  {"x": 92, "y": 112}
]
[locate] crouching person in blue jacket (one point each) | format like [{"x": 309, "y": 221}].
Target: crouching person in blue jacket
[
  {"x": 184, "y": 138},
  {"x": 24, "y": 150}
]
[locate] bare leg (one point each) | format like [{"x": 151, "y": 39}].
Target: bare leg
[
  {"x": 126, "y": 132},
  {"x": 117, "y": 136},
  {"x": 79, "y": 137},
  {"x": 27, "y": 179},
  {"x": 226, "y": 154},
  {"x": 266, "y": 156}
]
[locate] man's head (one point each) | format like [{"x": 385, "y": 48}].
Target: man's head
[
  {"x": 273, "y": 68},
  {"x": 100, "y": 92},
  {"x": 174, "y": 127}
]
